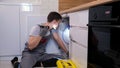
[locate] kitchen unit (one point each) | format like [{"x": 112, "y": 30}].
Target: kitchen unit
[{"x": 79, "y": 32}]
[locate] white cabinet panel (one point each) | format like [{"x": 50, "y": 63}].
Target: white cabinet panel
[
  {"x": 79, "y": 35},
  {"x": 79, "y": 55},
  {"x": 79, "y": 18},
  {"x": 9, "y": 30}
]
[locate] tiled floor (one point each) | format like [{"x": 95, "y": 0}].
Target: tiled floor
[{"x": 7, "y": 64}]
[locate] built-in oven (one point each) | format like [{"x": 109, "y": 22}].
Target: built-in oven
[{"x": 104, "y": 36}]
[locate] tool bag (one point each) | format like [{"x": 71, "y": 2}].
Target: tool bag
[{"x": 65, "y": 64}]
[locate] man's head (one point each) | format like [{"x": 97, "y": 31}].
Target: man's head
[{"x": 54, "y": 18}]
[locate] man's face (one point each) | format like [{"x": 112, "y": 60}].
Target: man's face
[{"x": 56, "y": 23}]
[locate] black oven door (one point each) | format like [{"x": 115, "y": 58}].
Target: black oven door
[{"x": 104, "y": 46}]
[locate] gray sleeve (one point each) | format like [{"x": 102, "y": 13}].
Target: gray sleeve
[
  {"x": 53, "y": 31},
  {"x": 35, "y": 31}
]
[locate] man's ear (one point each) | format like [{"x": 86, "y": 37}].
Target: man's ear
[{"x": 54, "y": 21}]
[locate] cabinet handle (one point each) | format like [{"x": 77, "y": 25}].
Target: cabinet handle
[
  {"x": 74, "y": 41},
  {"x": 105, "y": 20},
  {"x": 105, "y": 26}
]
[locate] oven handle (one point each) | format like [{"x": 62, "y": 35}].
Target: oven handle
[
  {"x": 105, "y": 20},
  {"x": 104, "y": 26}
]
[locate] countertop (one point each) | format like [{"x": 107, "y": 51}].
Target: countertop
[{"x": 87, "y": 5}]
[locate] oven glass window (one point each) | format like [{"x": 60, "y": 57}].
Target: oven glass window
[{"x": 104, "y": 47}]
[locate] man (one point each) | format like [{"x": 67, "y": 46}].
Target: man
[{"x": 39, "y": 36}]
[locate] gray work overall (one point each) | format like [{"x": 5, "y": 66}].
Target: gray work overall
[{"x": 30, "y": 57}]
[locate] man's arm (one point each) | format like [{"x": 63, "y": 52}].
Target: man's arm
[
  {"x": 33, "y": 42},
  {"x": 60, "y": 42},
  {"x": 36, "y": 35}
]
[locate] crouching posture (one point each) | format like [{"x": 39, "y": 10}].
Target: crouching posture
[{"x": 38, "y": 38}]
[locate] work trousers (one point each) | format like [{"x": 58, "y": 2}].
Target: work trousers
[{"x": 28, "y": 59}]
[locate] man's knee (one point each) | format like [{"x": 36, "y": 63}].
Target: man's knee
[{"x": 27, "y": 61}]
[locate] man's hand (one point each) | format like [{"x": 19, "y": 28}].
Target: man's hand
[
  {"x": 43, "y": 30},
  {"x": 67, "y": 55}
]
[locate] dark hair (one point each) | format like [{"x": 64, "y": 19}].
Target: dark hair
[{"x": 53, "y": 16}]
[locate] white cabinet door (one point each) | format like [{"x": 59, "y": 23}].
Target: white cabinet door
[
  {"x": 79, "y": 35},
  {"x": 79, "y": 18},
  {"x": 9, "y": 30},
  {"x": 79, "y": 55}
]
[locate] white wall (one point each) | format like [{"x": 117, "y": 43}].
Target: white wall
[
  {"x": 20, "y": 23},
  {"x": 9, "y": 29}
]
